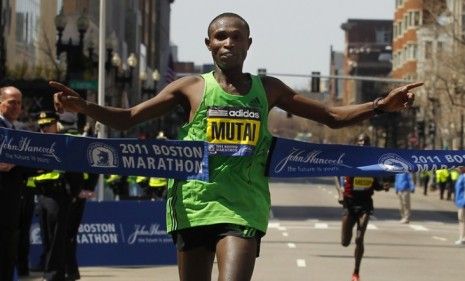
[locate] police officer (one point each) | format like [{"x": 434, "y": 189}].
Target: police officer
[
  {"x": 58, "y": 189},
  {"x": 27, "y": 205},
  {"x": 80, "y": 191},
  {"x": 119, "y": 185}
]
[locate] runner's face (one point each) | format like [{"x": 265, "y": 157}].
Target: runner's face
[{"x": 228, "y": 42}]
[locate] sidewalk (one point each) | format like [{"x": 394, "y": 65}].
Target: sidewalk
[{"x": 161, "y": 273}]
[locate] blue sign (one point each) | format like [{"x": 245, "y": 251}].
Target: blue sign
[
  {"x": 290, "y": 158},
  {"x": 189, "y": 159},
  {"x": 119, "y": 233},
  {"x": 160, "y": 158}
]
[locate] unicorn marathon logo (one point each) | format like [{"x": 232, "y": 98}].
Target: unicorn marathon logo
[{"x": 101, "y": 155}]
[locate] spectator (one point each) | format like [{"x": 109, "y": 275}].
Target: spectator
[
  {"x": 425, "y": 177},
  {"x": 454, "y": 175},
  {"x": 442, "y": 180},
  {"x": 11, "y": 183},
  {"x": 404, "y": 186},
  {"x": 460, "y": 203}
]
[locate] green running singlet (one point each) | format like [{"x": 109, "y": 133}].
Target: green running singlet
[{"x": 237, "y": 192}]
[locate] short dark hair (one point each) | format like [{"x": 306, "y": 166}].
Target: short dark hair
[
  {"x": 228, "y": 15},
  {"x": 2, "y": 93}
]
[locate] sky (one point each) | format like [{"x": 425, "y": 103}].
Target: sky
[{"x": 289, "y": 36}]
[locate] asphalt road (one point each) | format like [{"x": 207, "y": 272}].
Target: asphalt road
[{"x": 302, "y": 242}]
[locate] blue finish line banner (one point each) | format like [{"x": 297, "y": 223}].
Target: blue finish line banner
[
  {"x": 167, "y": 159},
  {"x": 290, "y": 158},
  {"x": 189, "y": 159}
]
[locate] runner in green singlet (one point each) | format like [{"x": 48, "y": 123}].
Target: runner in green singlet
[{"x": 227, "y": 216}]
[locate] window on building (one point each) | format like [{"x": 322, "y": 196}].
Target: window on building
[
  {"x": 383, "y": 36},
  {"x": 439, "y": 47},
  {"x": 27, "y": 22},
  {"x": 416, "y": 18},
  {"x": 463, "y": 24},
  {"x": 411, "y": 51},
  {"x": 406, "y": 56},
  {"x": 428, "y": 49}
]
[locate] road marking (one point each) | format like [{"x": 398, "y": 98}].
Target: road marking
[
  {"x": 320, "y": 225},
  {"x": 418, "y": 227},
  {"x": 439, "y": 238},
  {"x": 273, "y": 224},
  {"x": 291, "y": 245},
  {"x": 285, "y": 234},
  {"x": 372, "y": 226},
  {"x": 301, "y": 263},
  {"x": 282, "y": 228}
]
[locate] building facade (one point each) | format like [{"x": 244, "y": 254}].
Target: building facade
[
  {"x": 58, "y": 40},
  {"x": 428, "y": 46}
]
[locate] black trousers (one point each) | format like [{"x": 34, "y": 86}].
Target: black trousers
[
  {"x": 76, "y": 212},
  {"x": 9, "y": 226},
  {"x": 54, "y": 215},
  {"x": 25, "y": 221}
]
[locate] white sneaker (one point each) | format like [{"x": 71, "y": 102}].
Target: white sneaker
[
  {"x": 459, "y": 242},
  {"x": 404, "y": 221}
]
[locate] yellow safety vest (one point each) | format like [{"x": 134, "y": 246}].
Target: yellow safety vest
[
  {"x": 31, "y": 182},
  {"x": 158, "y": 182},
  {"x": 50, "y": 176},
  {"x": 112, "y": 179},
  {"x": 140, "y": 179}
]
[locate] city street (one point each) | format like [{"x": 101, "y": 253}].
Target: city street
[{"x": 302, "y": 242}]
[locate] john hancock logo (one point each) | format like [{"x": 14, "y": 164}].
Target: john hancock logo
[{"x": 101, "y": 155}]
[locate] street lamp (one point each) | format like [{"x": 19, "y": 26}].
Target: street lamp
[
  {"x": 125, "y": 75},
  {"x": 74, "y": 53},
  {"x": 149, "y": 87}
]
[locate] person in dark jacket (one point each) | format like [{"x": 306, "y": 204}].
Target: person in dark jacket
[
  {"x": 58, "y": 190},
  {"x": 11, "y": 183},
  {"x": 79, "y": 192}
]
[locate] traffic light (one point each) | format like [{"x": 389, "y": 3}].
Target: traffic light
[
  {"x": 315, "y": 82},
  {"x": 261, "y": 72}
]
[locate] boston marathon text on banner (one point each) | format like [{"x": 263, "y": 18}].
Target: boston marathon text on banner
[
  {"x": 168, "y": 159},
  {"x": 189, "y": 159},
  {"x": 290, "y": 158}
]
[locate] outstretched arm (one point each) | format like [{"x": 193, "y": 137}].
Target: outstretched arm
[
  {"x": 285, "y": 98},
  {"x": 177, "y": 92}
]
